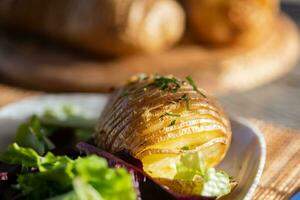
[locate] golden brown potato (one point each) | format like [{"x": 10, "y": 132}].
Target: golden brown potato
[
  {"x": 109, "y": 27},
  {"x": 230, "y": 21},
  {"x": 157, "y": 119}
]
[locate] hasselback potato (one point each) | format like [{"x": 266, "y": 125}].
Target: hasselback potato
[
  {"x": 106, "y": 27},
  {"x": 158, "y": 118},
  {"x": 230, "y": 21}
]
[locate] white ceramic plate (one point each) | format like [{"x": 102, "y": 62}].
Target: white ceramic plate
[{"x": 244, "y": 161}]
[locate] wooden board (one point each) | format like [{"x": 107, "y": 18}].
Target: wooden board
[{"x": 45, "y": 66}]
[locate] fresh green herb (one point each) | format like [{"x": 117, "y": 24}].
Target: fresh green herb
[
  {"x": 59, "y": 177},
  {"x": 185, "y": 98},
  {"x": 171, "y": 114},
  {"x": 172, "y": 122},
  {"x": 185, "y": 148},
  {"x": 187, "y": 102},
  {"x": 207, "y": 181},
  {"x": 192, "y": 83},
  {"x": 125, "y": 93},
  {"x": 165, "y": 83}
]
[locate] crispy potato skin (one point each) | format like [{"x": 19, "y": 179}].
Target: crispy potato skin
[
  {"x": 106, "y": 27},
  {"x": 230, "y": 21},
  {"x": 137, "y": 119}
]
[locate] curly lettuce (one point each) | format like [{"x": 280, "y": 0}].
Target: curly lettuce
[
  {"x": 37, "y": 131},
  {"x": 61, "y": 178},
  {"x": 211, "y": 183}
]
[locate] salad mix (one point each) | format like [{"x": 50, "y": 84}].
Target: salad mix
[{"x": 53, "y": 157}]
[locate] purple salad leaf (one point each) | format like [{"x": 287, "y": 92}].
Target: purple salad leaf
[
  {"x": 8, "y": 173},
  {"x": 3, "y": 176}
]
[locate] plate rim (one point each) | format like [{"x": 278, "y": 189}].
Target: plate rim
[{"x": 263, "y": 155}]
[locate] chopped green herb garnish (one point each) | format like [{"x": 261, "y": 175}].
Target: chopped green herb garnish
[
  {"x": 125, "y": 93},
  {"x": 165, "y": 83},
  {"x": 192, "y": 83},
  {"x": 185, "y": 98},
  {"x": 185, "y": 148},
  {"x": 172, "y": 114},
  {"x": 187, "y": 101},
  {"x": 172, "y": 122}
]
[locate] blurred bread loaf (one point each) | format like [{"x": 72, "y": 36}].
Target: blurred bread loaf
[
  {"x": 230, "y": 21},
  {"x": 108, "y": 27}
]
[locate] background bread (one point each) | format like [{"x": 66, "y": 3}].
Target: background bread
[
  {"x": 230, "y": 21},
  {"x": 109, "y": 27}
]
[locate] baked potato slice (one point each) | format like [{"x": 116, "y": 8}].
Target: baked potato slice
[{"x": 158, "y": 119}]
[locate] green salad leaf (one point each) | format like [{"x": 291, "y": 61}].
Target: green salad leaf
[
  {"x": 36, "y": 131},
  {"x": 112, "y": 184},
  {"x": 59, "y": 177},
  {"x": 84, "y": 190},
  {"x": 191, "y": 167},
  {"x": 67, "y": 116},
  {"x": 15, "y": 154},
  {"x": 34, "y": 135},
  {"x": 52, "y": 182}
]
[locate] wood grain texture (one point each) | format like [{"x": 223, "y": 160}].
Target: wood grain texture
[
  {"x": 217, "y": 70},
  {"x": 277, "y": 102},
  {"x": 9, "y": 94},
  {"x": 281, "y": 177}
]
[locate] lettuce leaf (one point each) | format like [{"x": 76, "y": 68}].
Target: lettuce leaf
[
  {"x": 191, "y": 167},
  {"x": 68, "y": 116},
  {"x": 112, "y": 184},
  {"x": 15, "y": 154},
  {"x": 32, "y": 134},
  {"x": 59, "y": 177},
  {"x": 146, "y": 187},
  {"x": 35, "y": 133}
]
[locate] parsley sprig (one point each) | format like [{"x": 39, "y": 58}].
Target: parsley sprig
[
  {"x": 165, "y": 83},
  {"x": 192, "y": 83},
  {"x": 172, "y": 122},
  {"x": 185, "y": 98},
  {"x": 172, "y": 114}
]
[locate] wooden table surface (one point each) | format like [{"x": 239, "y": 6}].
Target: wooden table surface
[{"x": 278, "y": 101}]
